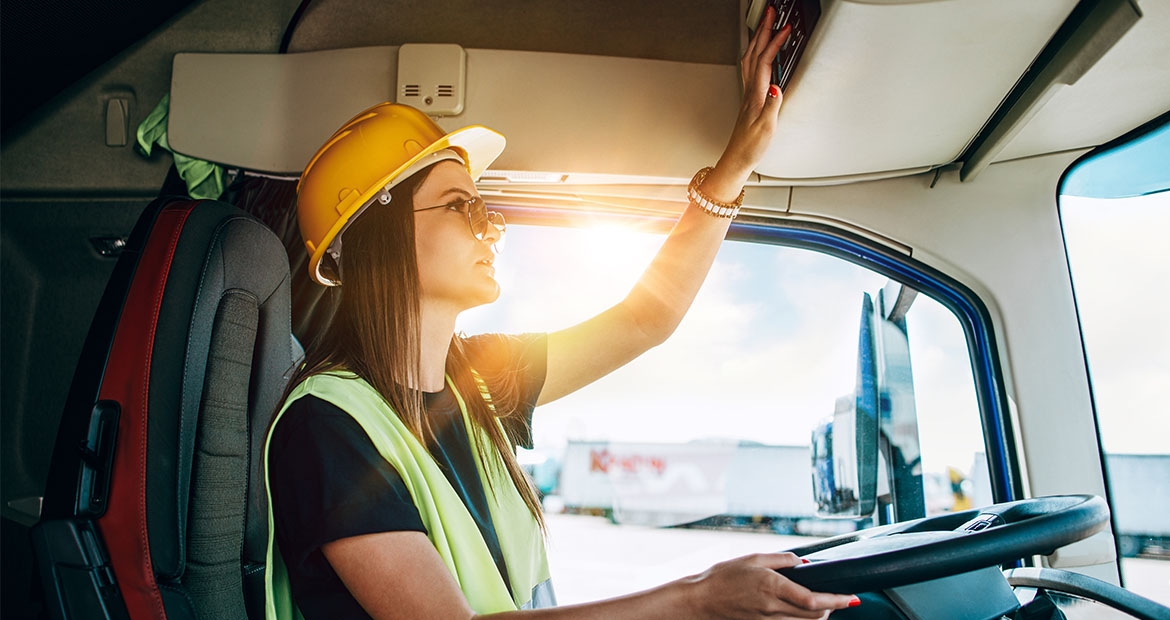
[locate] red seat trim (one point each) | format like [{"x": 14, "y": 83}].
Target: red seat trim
[{"x": 127, "y": 381}]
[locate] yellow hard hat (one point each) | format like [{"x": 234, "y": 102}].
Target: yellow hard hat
[{"x": 365, "y": 158}]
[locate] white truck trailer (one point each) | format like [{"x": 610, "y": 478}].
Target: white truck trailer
[{"x": 698, "y": 483}]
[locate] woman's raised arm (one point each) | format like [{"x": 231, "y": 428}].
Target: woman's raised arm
[{"x": 579, "y": 355}]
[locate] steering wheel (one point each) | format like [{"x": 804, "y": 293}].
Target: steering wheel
[{"x": 924, "y": 549}]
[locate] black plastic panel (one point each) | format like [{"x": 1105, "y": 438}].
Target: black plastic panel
[{"x": 75, "y": 572}]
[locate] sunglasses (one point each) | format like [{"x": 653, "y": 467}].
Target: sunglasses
[{"x": 479, "y": 218}]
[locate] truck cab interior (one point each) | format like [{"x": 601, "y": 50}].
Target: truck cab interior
[{"x": 155, "y": 292}]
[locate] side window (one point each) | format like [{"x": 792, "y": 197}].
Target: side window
[
  {"x": 703, "y": 448},
  {"x": 1114, "y": 209}
]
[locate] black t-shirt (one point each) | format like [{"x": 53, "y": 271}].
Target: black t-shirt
[{"x": 329, "y": 482}]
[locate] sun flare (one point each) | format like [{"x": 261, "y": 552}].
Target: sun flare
[{"x": 580, "y": 273}]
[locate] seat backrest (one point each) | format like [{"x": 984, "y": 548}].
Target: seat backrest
[{"x": 155, "y": 503}]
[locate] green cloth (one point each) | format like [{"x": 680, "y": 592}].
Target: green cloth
[
  {"x": 204, "y": 179},
  {"x": 450, "y": 527}
]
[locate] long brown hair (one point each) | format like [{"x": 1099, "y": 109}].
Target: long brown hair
[{"x": 376, "y": 334}]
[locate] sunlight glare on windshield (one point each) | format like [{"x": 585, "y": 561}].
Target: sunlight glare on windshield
[{"x": 579, "y": 275}]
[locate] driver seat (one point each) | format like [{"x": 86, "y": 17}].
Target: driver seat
[{"x": 155, "y": 505}]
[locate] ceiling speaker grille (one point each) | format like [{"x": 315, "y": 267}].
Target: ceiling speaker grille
[{"x": 432, "y": 77}]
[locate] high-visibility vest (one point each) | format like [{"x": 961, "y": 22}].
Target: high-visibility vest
[{"x": 450, "y": 527}]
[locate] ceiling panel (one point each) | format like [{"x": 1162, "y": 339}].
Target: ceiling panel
[{"x": 1127, "y": 87}]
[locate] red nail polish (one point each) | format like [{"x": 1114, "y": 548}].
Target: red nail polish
[
  {"x": 804, "y": 561},
  {"x": 855, "y": 602},
  {"x": 774, "y": 91}
]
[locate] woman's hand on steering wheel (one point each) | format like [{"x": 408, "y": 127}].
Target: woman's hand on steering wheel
[{"x": 750, "y": 587}]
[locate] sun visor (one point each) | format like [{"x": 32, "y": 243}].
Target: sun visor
[
  {"x": 271, "y": 112},
  {"x": 563, "y": 113}
]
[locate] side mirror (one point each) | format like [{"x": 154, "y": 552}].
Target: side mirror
[
  {"x": 845, "y": 448},
  {"x": 880, "y": 415}
]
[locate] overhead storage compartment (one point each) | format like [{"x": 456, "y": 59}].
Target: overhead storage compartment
[{"x": 859, "y": 102}]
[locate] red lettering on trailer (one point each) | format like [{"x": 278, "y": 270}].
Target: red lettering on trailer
[{"x": 601, "y": 461}]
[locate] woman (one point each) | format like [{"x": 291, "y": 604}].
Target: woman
[{"x": 394, "y": 488}]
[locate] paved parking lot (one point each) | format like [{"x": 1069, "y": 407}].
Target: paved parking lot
[{"x": 593, "y": 559}]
